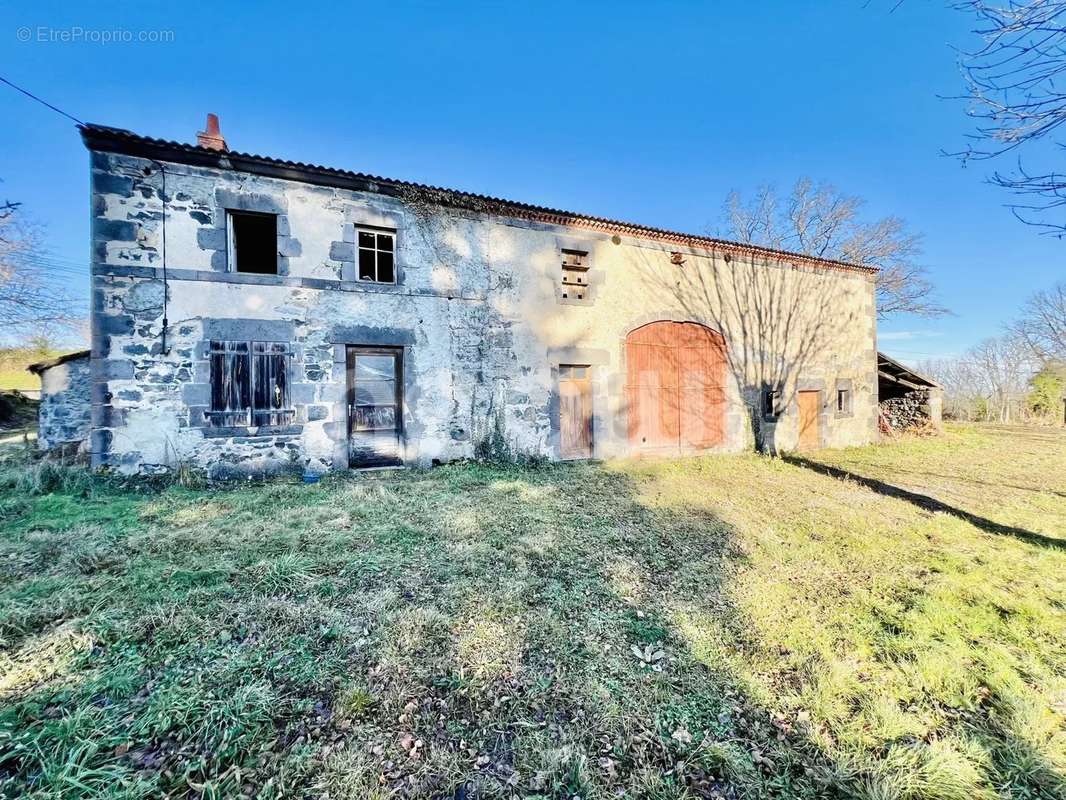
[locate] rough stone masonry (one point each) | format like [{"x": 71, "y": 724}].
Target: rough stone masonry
[
  {"x": 64, "y": 412},
  {"x": 476, "y": 316}
]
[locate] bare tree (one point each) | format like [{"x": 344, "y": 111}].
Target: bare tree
[
  {"x": 30, "y": 302},
  {"x": 988, "y": 382},
  {"x": 965, "y": 392},
  {"x": 818, "y": 220},
  {"x": 1005, "y": 366},
  {"x": 1042, "y": 325},
  {"x": 1015, "y": 92}
]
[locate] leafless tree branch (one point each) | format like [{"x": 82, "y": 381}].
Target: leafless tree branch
[
  {"x": 31, "y": 302},
  {"x": 988, "y": 382},
  {"x": 1042, "y": 324},
  {"x": 1015, "y": 94},
  {"x": 818, "y": 220}
]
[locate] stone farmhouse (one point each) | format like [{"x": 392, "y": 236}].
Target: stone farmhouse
[{"x": 251, "y": 314}]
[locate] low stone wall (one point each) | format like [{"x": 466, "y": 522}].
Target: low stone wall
[{"x": 64, "y": 413}]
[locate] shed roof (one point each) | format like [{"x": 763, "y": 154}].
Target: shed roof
[
  {"x": 41, "y": 366},
  {"x": 104, "y": 138},
  {"x": 888, "y": 369}
]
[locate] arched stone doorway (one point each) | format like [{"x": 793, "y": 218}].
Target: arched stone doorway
[{"x": 675, "y": 386}]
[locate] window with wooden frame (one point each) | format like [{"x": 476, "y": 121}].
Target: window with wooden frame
[
  {"x": 376, "y": 257},
  {"x": 574, "y": 371},
  {"x": 249, "y": 383},
  {"x": 375, "y": 406},
  {"x": 253, "y": 242},
  {"x": 376, "y": 389},
  {"x": 575, "y": 278}
]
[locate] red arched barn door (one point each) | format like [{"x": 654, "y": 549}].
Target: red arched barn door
[{"x": 675, "y": 386}]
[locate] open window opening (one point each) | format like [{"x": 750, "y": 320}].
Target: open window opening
[
  {"x": 771, "y": 404},
  {"x": 253, "y": 242},
  {"x": 843, "y": 401}
]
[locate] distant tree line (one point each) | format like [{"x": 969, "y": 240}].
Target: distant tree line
[{"x": 1019, "y": 376}]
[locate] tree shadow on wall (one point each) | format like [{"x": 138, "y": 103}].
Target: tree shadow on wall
[{"x": 778, "y": 321}]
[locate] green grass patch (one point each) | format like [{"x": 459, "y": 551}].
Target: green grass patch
[{"x": 880, "y": 622}]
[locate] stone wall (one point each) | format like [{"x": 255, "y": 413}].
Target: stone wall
[
  {"x": 64, "y": 412},
  {"x": 475, "y": 309}
]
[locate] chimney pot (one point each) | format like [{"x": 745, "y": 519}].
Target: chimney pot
[{"x": 212, "y": 137}]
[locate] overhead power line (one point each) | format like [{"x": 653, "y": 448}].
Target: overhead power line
[
  {"x": 45, "y": 258},
  {"x": 44, "y": 103},
  {"x": 50, "y": 260}
]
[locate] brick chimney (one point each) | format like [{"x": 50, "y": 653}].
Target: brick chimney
[{"x": 212, "y": 137}]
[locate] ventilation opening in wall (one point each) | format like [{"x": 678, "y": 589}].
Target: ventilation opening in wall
[
  {"x": 771, "y": 405},
  {"x": 843, "y": 401},
  {"x": 575, "y": 275},
  {"x": 253, "y": 242}
]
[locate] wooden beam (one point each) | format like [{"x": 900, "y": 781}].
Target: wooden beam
[{"x": 896, "y": 379}]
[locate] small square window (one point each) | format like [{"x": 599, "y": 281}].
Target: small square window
[
  {"x": 253, "y": 240},
  {"x": 575, "y": 280},
  {"x": 377, "y": 257}
]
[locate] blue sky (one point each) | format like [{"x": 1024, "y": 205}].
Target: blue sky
[{"x": 644, "y": 112}]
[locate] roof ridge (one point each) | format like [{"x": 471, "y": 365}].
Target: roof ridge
[{"x": 95, "y": 135}]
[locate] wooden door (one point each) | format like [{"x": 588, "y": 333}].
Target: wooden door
[
  {"x": 575, "y": 411},
  {"x": 701, "y": 386},
  {"x": 809, "y": 408},
  {"x": 651, "y": 387},
  {"x": 375, "y": 406},
  {"x": 675, "y": 386}
]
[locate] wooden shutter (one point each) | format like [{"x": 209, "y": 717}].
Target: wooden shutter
[
  {"x": 231, "y": 394},
  {"x": 270, "y": 391}
]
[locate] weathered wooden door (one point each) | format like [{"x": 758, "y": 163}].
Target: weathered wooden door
[
  {"x": 651, "y": 387},
  {"x": 701, "y": 385},
  {"x": 575, "y": 411},
  {"x": 809, "y": 403},
  {"x": 375, "y": 406},
  {"x": 675, "y": 386}
]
